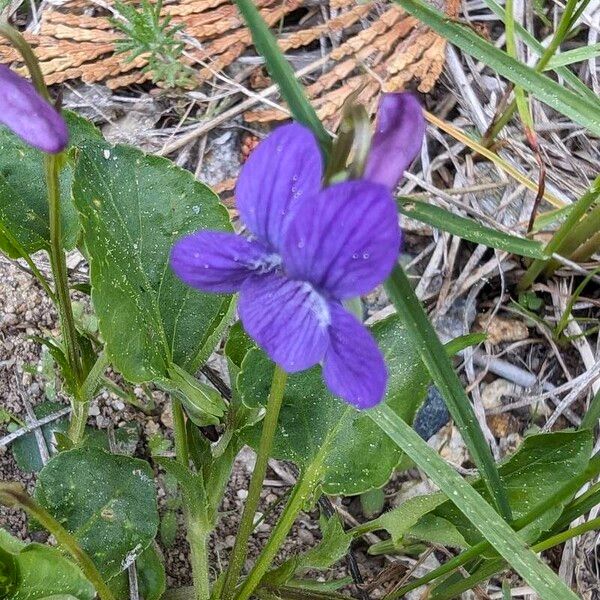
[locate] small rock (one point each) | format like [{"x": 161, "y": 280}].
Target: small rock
[
  {"x": 492, "y": 393},
  {"x": 94, "y": 410},
  {"x": 306, "y": 537},
  {"x": 502, "y": 425},
  {"x": 166, "y": 417},
  {"x": 242, "y": 494},
  {"x": 450, "y": 445},
  {"x": 501, "y": 329}
]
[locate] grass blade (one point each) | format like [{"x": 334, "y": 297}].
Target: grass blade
[
  {"x": 574, "y": 56},
  {"x": 570, "y": 78},
  {"x": 581, "y": 109},
  {"x": 436, "y": 360},
  {"x": 282, "y": 72},
  {"x": 495, "y": 530},
  {"x": 469, "y": 229}
]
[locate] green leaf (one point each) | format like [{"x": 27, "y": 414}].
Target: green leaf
[
  {"x": 202, "y": 402},
  {"x": 573, "y": 56},
  {"x": 332, "y": 548},
  {"x": 469, "y": 229},
  {"x": 489, "y": 523},
  {"x": 581, "y": 109},
  {"x": 23, "y": 200},
  {"x": 427, "y": 343},
  {"x": 151, "y": 574},
  {"x": 362, "y": 458},
  {"x": 437, "y": 530},
  {"x": 107, "y": 501},
  {"x": 281, "y": 72},
  {"x": 25, "y": 448},
  {"x": 134, "y": 207},
  {"x": 40, "y": 573},
  {"x": 570, "y": 78},
  {"x": 542, "y": 464},
  {"x": 399, "y": 520}
]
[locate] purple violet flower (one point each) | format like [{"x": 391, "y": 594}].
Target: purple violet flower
[
  {"x": 397, "y": 140},
  {"x": 309, "y": 250},
  {"x": 27, "y": 114}
]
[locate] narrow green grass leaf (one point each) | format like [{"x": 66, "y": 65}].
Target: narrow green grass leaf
[
  {"x": 581, "y": 109},
  {"x": 469, "y": 229},
  {"x": 282, "y": 72},
  {"x": 438, "y": 364},
  {"x": 495, "y": 530},
  {"x": 573, "y": 56},
  {"x": 570, "y": 78}
]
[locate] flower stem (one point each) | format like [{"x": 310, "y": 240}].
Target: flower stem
[
  {"x": 240, "y": 548},
  {"x": 13, "y": 494},
  {"x": 305, "y": 486},
  {"x": 29, "y": 58},
  {"x": 197, "y": 532},
  {"x": 61, "y": 284}
]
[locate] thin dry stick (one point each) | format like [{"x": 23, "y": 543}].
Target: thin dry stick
[
  {"x": 234, "y": 111},
  {"x": 31, "y": 426},
  {"x": 590, "y": 377}
]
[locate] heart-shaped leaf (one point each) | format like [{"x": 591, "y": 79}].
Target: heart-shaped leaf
[
  {"x": 107, "y": 501},
  {"x": 133, "y": 208}
]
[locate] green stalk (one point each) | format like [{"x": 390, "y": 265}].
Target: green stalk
[
  {"x": 197, "y": 532},
  {"x": 240, "y": 548},
  {"x": 29, "y": 58},
  {"x": 582, "y": 231},
  {"x": 438, "y": 364},
  {"x": 590, "y": 419},
  {"x": 302, "y": 491},
  {"x": 580, "y": 506},
  {"x": 57, "y": 257},
  {"x": 559, "y": 497},
  {"x": 61, "y": 284},
  {"x": 579, "y": 209},
  {"x": 586, "y": 249},
  {"x": 13, "y": 494},
  {"x": 561, "y": 32}
]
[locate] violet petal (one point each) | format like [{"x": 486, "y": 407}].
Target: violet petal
[
  {"x": 288, "y": 319},
  {"x": 215, "y": 261},
  {"x": 28, "y": 115},
  {"x": 285, "y": 168},
  {"x": 345, "y": 240},
  {"x": 354, "y": 368},
  {"x": 398, "y": 138}
]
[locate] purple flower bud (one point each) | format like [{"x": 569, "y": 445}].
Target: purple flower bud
[
  {"x": 397, "y": 140},
  {"x": 30, "y": 116}
]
